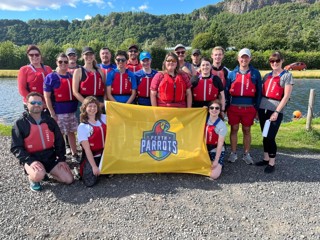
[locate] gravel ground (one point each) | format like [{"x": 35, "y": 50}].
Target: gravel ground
[{"x": 244, "y": 203}]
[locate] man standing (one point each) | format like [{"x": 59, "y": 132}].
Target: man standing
[
  {"x": 121, "y": 83},
  {"x": 133, "y": 63},
  {"x": 72, "y": 57},
  {"x": 38, "y": 144},
  {"x": 187, "y": 67},
  {"x": 196, "y": 58},
  {"x": 105, "y": 56},
  {"x": 243, "y": 97},
  {"x": 218, "y": 69}
]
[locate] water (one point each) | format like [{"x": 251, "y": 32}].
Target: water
[{"x": 11, "y": 105}]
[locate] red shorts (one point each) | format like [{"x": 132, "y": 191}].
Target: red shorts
[{"x": 241, "y": 114}]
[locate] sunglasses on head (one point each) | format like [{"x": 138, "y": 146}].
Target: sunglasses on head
[
  {"x": 133, "y": 51},
  {"x": 34, "y": 54},
  {"x": 72, "y": 55},
  {"x": 273, "y": 61},
  {"x": 181, "y": 52},
  {"x": 216, "y": 108},
  {"x": 171, "y": 60},
  {"x": 36, "y": 102},
  {"x": 121, "y": 59},
  {"x": 60, "y": 62}
]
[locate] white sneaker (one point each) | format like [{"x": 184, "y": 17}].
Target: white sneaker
[
  {"x": 247, "y": 158},
  {"x": 232, "y": 157},
  {"x": 68, "y": 151}
]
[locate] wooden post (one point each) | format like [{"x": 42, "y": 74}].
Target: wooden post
[{"x": 310, "y": 109}]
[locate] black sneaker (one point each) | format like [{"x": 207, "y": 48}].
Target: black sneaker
[
  {"x": 269, "y": 169},
  {"x": 262, "y": 163}
]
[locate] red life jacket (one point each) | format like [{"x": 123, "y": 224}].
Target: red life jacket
[
  {"x": 271, "y": 87},
  {"x": 36, "y": 85},
  {"x": 64, "y": 92},
  {"x": 243, "y": 86},
  {"x": 92, "y": 85},
  {"x": 211, "y": 136},
  {"x": 105, "y": 71},
  {"x": 121, "y": 84},
  {"x": 39, "y": 139},
  {"x": 144, "y": 87},
  {"x": 205, "y": 90},
  {"x": 172, "y": 90},
  {"x": 134, "y": 67},
  {"x": 97, "y": 138},
  {"x": 221, "y": 75}
]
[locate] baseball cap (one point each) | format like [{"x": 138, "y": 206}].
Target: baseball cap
[
  {"x": 197, "y": 51},
  {"x": 244, "y": 51},
  {"x": 133, "y": 46},
  {"x": 179, "y": 46},
  {"x": 144, "y": 55},
  {"x": 71, "y": 51},
  {"x": 87, "y": 50}
]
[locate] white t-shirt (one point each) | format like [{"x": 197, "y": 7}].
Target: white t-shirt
[{"x": 85, "y": 130}]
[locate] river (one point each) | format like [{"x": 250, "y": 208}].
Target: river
[{"x": 11, "y": 102}]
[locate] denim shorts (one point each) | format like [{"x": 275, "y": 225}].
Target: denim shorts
[{"x": 212, "y": 156}]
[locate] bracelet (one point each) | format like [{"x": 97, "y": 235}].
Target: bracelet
[{"x": 277, "y": 111}]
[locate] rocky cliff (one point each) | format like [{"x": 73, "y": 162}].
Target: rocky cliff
[{"x": 243, "y": 6}]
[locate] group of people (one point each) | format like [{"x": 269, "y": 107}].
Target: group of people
[{"x": 55, "y": 101}]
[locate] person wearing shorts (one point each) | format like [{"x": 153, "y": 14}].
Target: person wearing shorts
[
  {"x": 243, "y": 90},
  {"x": 38, "y": 144},
  {"x": 61, "y": 103},
  {"x": 216, "y": 131}
]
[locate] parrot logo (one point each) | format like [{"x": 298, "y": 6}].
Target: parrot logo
[{"x": 159, "y": 143}]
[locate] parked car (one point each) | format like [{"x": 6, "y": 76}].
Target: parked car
[{"x": 296, "y": 66}]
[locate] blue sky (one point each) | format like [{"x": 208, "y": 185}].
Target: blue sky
[{"x": 85, "y": 9}]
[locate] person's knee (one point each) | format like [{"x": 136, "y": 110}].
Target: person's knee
[
  {"x": 234, "y": 129},
  {"x": 68, "y": 179}
]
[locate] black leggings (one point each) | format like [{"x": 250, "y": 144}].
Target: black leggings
[{"x": 269, "y": 142}]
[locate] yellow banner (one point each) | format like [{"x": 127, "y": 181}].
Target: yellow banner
[{"x": 144, "y": 139}]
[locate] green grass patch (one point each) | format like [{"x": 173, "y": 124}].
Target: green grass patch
[
  {"x": 8, "y": 73},
  {"x": 291, "y": 136},
  {"x": 298, "y": 74},
  {"x": 5, "y": 130}
]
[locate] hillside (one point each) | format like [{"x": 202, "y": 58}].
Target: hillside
[{"x": 274, "y": 25}]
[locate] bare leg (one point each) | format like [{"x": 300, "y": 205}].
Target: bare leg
[
  {"x": 35, "y": 171},
  {"x": 234, "y": 137},
  {"x": 246, "y": 138},
  {"x": 62, "y": 173}
]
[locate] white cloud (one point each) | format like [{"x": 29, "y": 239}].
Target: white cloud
[
  {"x": 23, "y": 5},
  {"x": 143, "y": 7},
  {"x": 87, "y": 17},
  {"x": 110, "y": 4}
]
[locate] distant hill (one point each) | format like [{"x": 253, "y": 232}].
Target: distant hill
[{"x": 259, "y": 24}]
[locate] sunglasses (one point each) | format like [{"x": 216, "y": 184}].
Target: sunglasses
[
  {"x": 196, "y": 54},
  {"x": 216, "y": 108},
  {"x": 36, "y": 102},
  {"x": 273, "y": 61},
  {"x": 171, "y": 60},
  {"x": 72, "y": 55},
  {"x": 65, "y": 62},
  {"x": 181, "y": 53},
  {"x": 34, "y": 55},
  {"x": 133, "y": 51},
  {"x": 121, "y": 59}
]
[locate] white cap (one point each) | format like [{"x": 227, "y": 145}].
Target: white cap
[{"x": 244, "y": 51}]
